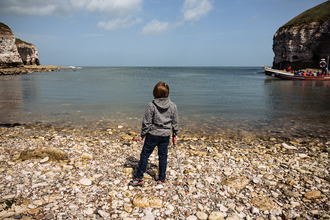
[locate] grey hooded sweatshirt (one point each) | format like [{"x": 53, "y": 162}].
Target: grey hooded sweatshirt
[{"x": 161, "y": 117}]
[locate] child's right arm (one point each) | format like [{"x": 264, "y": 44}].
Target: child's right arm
[{"x": 175, "y": 122}]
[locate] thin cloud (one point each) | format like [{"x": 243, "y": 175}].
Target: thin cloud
[
  {"x": 114, "y": 8},
  {"x": 118, "y": 23},
  {"x": 31, "y": 11},
  {"x": 254, "y": 17},
  {"x": 251, "y": 19},
  {"x": 79, "y": 3},
  {"x": 30, "y": 8},
  {"x": 194, "y": 10},
  {"x": 116, "y": 14},
  {"x": 156, "y": 27}
]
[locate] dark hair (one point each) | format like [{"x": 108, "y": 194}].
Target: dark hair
[{"x": 161, "y": 90}]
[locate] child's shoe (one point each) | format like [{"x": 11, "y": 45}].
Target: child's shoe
[
  {"x": 160, "y": 182},
  {"x": 136, "y": 182}
]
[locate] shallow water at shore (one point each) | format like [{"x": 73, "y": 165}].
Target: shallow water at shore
[{"x": 232, "y": 101}]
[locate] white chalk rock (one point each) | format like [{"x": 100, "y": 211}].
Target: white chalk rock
[
  {"x": 11, "y": 196},
  {"x": 89, "y": 211},
  {"x": 216, "y": 216},
  {"x": 103, "y": 214},
  {"x": 44, "y": 160},
  {"x": 303, "y": 156},
  {"x": 169, "y": 209},
  {"x": 201, "y": 215},
  {"x": 86, "y": 156},
  {"x": 85, "y": 182},
  {"x": 286, "y": 146}
]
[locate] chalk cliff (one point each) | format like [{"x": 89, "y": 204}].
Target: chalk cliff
[
  {"x": 28, "y": 52},
  {"x": 17, "y": 56},
  {"x": 305, "y": 40},
  {"x": 9, "y": 55}
]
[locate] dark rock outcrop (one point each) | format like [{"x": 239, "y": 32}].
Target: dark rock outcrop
[
  {"x": 303, "y": 41},
  {"x": 9, "y": 56},
  {"x": 28, "y": 52}
]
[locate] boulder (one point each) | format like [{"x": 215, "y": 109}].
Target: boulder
[
  {"x": 313, "y": 195},
  {"x": 264, "y": 203},
  {"x": 216, "y": 216},
  {"x": 236, "y": 182},
  {"x": 144, "y": 200}
]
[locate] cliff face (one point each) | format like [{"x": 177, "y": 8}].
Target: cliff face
[
  {"x": 305, "y": 40},
  {"x": 28, "y": 53},
  {"x": 9, "y": 55},
  {"x": 301, "y": 46}
]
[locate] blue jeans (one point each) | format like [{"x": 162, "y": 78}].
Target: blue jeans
[{"x": 150, "y": 143}]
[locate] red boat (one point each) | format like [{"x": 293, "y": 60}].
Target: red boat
[{"x": 279, "y": 74}]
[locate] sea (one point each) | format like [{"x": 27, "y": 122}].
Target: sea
[{"x": 234, "y": 101}]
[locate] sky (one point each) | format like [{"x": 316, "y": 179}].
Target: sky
[{"x": 151, "y": 32}]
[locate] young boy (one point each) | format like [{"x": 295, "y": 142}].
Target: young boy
[{"x": 160, "y": 119}]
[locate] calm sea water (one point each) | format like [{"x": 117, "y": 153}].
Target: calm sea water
[{"x": 210, "y": 100}]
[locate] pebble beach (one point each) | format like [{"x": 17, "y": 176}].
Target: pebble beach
[{"x": 58, "y": 173}]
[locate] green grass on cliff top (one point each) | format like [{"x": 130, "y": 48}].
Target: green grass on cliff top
[
  {"x": 4, "y": 28},
  {"x": 19, "y": 41},
  {"x": 319, "y": 13}
]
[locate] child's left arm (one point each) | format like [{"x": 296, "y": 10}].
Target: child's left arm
[{"x": 147, "y": 121}]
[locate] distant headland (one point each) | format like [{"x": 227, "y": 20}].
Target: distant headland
[
  {"x": 18, "y": 56},
  {"x": 303, "y": 41}
]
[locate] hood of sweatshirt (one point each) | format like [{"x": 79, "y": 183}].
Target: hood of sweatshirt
[{"x": 162, "y": 103}]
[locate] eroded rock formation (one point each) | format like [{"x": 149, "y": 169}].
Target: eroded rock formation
[
  {"x": 17, "y": 56},
  {"x": 301, "y": 46},
  {"x": 28, "y": 52},
  {"x": 305, "y": 40},
  {"x": 9, "y": 55},
  {"x": 15, "y": 52}
]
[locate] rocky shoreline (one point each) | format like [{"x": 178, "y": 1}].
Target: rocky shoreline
[
  {"x": 52, "y": 173},
  {"x": 28, "y": 69}
]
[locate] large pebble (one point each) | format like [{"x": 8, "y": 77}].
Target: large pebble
[
  {"x": 313, "y": 195},
  {"x": 89, "y": 211},
  {"x": 11, "y": 196},
  {"x": 33, "y": 211},
  {"x": 201, "y": 215},
  {"x": 169, "y": 209},
  {"x": 87, "y": 156},
  {"x": 236, "y": 182},
  {"x": 264, "y": 203},
  {"x": 85, "y": 182},
  {"x": 144, "y": 200},
  {"x": 103, "y": 213},
  {"x": 233, "y": 217},
  {"x": 216, "y": 216},
  {"x": 44, "y": 160},
  {"x": 148, "y": 217},
  {"x": 286, "y": 146}
]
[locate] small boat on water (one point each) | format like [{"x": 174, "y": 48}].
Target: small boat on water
[{"x": 279, "y": 74}]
